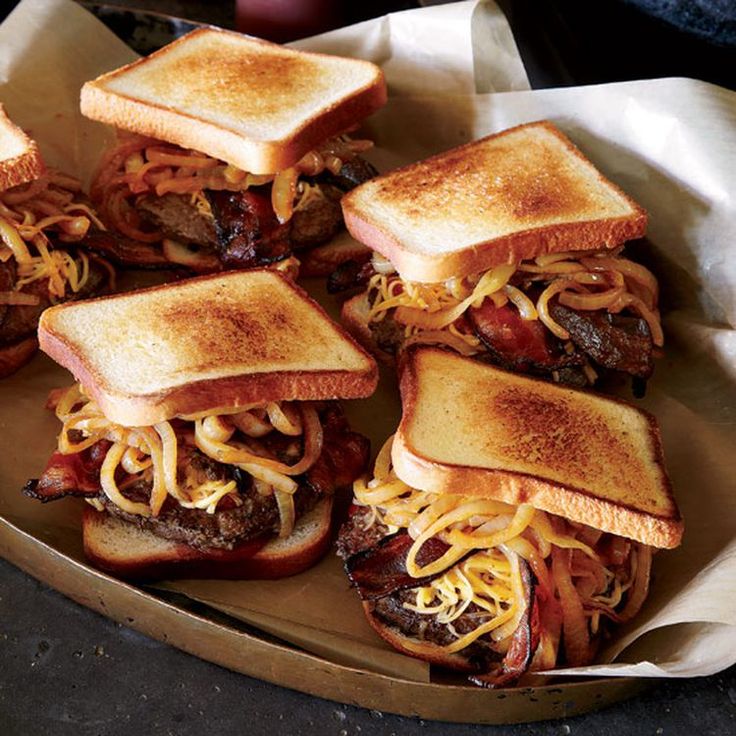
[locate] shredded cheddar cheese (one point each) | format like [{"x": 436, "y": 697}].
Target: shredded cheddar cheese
[
  {"x": 432, "y": 312},
  {"x": 152, "y": 453},
  {"x": 28, "y": 214},
  {"x": 480, "y": 568}
]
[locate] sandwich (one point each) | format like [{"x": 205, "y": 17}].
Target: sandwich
[
  {"x": 44, "y": 223},
  {"x": 204, "y": 431},
  {"x": 509, "y": 523},
  {"x": 508, "y": 249},
  {"x": 232, "y": 152}
]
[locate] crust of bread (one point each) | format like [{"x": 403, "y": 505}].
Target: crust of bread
[
  {"x": 124, "y": 550},
  {"x": 354, "y": 316},
  {"x": 532, "y": 210},
  {"x": 427, "y": 650},
  {"x": 20, "y": 159},
  {"x": 274, "y": 341},
  {"x": 224, "y": 80},
  {"x": 610, "y": 446},
  {"x": 14, "y": 357}
]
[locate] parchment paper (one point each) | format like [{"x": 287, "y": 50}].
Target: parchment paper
[{"x": 669, "y": 143}]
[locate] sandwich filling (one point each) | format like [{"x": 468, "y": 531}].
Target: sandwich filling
[
  {"x": 41, "y": 225},
  {"x": 214, "y": 480},
  {"x": 562, "y": 315},
  {"x": 480, "y": 585},
  {"x": 207, "y": 214}
]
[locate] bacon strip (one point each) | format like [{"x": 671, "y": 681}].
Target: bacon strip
[
  {"x": 70, "y": 475},
  {"x": 381, "y": 570},
  {"x": 125, "y": 250},
  {"x": 614, "y": 341},
  {"x": 351, "y": 274},
  {"x": 516, "y": 343},
  {"x": 248, "y": 232},
  {"x": 344, "y": 457},
  {"x": 523, "y": 643}
]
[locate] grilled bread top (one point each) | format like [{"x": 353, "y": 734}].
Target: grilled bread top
[
  {"x": 473, "y": 429},
  {"x": 511, "y": 196},
  {"x": 253, "y": 104},
  {"x": 209, "y": 343},
  {"x": 20, "y": 159}
]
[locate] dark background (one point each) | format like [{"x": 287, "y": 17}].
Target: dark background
[{"x": 66, "y": 670}]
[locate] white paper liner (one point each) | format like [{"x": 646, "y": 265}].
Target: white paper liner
[{"x": 671, "y": 144}]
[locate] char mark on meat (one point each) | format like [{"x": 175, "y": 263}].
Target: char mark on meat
[
  {"x": 8, "y": 278},
  {"x": 125, "y": 251},
  {"x": 230, "y": 524},
  {"x": 343, "y": 457},
  {"x": 390, "y": 610},
  {"x": 494, "y": 668},
  {"x": 178, "y": 219},
  {"x": 354, "y": 172},
  {"x": 19, "y": 321},
  {"x": 618, "y": 342},
  {"x": 359, "y": 533},
  {"x": 524, "y": 641},
  {"x": 318, "y": 220},
  {"x": 226, "y": 528},
  {"x": 388, "y": 335},
  {"x": 350, "y": 275},
  {"x": 248, "y": 232}
]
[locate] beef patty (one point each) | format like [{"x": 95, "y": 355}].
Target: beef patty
[{"x": 229, "y": 525}]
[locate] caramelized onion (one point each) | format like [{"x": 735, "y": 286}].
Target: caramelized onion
[
  {"x": 574, "y": 624},
  {"x": 599, "y": 300}
]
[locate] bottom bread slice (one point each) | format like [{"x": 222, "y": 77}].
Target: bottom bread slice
[{"x": 127, "y": 551}]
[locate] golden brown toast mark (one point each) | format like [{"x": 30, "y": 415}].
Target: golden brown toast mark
[
  {"x": 269, "y": 80},
  {"x": 500, "y": 177}
]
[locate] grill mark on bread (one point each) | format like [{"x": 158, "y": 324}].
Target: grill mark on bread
[
  {"x": 517, "y": 184},
  {"x": 551, "y": 432},
  {"x": 239, "y": 332},
  {"x": 282, "y": 77}
]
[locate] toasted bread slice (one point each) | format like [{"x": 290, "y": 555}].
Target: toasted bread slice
[
  {"x": 248, "y": 102},
  {"x": 511, "y": 196},
  {"x": 474, "y": 429},
  {"x": 213, "y": 342},
  {"x": 127, "y": 551},
  {"x": 20, "y": 159}
]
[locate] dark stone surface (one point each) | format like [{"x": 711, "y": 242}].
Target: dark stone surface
[{"x": 67, "y": 671}]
